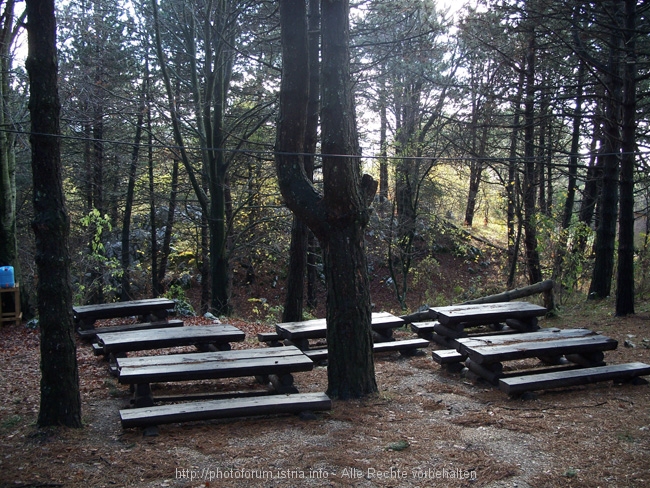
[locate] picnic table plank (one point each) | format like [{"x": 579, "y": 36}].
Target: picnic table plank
[
  {"x": 86, "y": 315},
  {"x": 226, "y": 408},
  {"x": 520, "y": 384},
  {"x": 160, "y": 324},
  {"x": 550, "y": 333},
  {"x": 317, "y": 328},
  {"x": 212, "y": 365},
  {"x": 140, "y": 340},
  {"x": 404, "y": 346},
  {"x": 477, "y": 314},
  {"x": 523, "y": 350}
]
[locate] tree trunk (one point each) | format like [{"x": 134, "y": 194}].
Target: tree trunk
[
  {"x": 601, "y": 280},
  {"x": 128, "y": 204},
  {"x": 293, "y": 303},
  {"x": 383, "y": 145},
  {"x": 625, "y": 270},
  {"x": 339, "y": 216},
  {"x": 572, "y": 180},
  {"x": 8, "y": 241},
  {"x": 60, "y": 398},
  {"x": 169, "y": 226},
  {"x": 350, "y": 369},
  {"x": 300, "y": 238},
  {"x": 511, "y": 188},
  {"x": 155, "y": 292},
  {"x": 530, "y": 231}
]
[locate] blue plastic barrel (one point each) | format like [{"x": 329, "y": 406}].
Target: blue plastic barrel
[{"x": 7, "y": 277}]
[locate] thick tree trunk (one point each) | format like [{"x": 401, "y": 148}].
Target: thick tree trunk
[
  {"x": 293, "y": 303},
  {"x": 625, "y": 270},
  {"x": 300, "y": 233},
  {"x": 513, "y": 209},
  {"x": 604, "y": 247},
  {"x": 339, "y": 216},
  {"x": 530, "y": 231},
  {"x": 60, "y": 398},
  {"x": 350, "y": 369}
]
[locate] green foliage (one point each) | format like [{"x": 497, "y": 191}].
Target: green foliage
[
  {"x": 103, "y": 273},
  {"x": 97, "y": 223},
  {"x": 182, "y": 305},
  {"x": 398, "y": 446},
  {"x": 425, "y": 275},
  {"x": 265, "y": 312}
]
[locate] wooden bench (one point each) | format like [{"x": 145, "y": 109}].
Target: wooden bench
[
  {"x": 151, "y": 309},
  {"x": 562, "y": 379},
  {"x": 91, "y": 334},
  {"x": 299, "y": 333},
  {"x": 274, "y": 364},
  {"x": 139, "y": 340},
  {"x": 447, "y": 356},
  {"x": 226, "y": 408},
  {"x": 560, "y": 351},
  {"x": 270, "y": 338},
  {"x": 405, "y": 347}
]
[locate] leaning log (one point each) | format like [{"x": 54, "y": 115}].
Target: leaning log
[{"x": 545, "y": 287}]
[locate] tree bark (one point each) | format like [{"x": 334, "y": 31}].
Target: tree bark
[
  {"x": 299, "y": 248},
  {"x": 604, "y": 247},
  {"x": 60, "y": 399},
  {"x": 169, "y": 226},
  {"x": 625, "y": 270},
  {"x": 128, "y": 204},
  {"x": 339, "y": 216},
  {"x": 8, "y": 241},
  {"x": 530, "y": 231}
]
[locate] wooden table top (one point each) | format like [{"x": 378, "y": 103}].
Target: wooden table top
[
  {"x": 138, "y": 340},
  {"x": 530, "y": 345},
  {"x": 317, "y": 328},
  {"x": 486, "y": 313},
  {"x": 122, "y": 309},
  {"x": 212, "y": 365}
]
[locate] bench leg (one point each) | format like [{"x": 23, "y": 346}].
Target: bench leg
[
  {"x": 302, "y": 344},
  {"x": 86, "y": 324},
  {"x": 224, "y": 346},
  {"x": 489, "y": 372},
  {"x": 142, "y": 396},
  {"x": 382, "y": 336},
  {"x": 283, "y": 383}
]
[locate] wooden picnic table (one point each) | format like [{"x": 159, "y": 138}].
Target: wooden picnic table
[
  {"x": 451, "y": 322},
  {"x": 151, "y": 309},
  {"x": 558, "y": 349},
  {"x": 299, "y": 333},
  {"x": 215, "y": 337},
  {"x": 486, "y": 313},
  {"x": 273, "y": 364}
]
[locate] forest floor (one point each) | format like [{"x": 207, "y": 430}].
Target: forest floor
[{"x": 426, "y": 427}]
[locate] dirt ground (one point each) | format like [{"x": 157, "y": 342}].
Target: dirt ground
[{"x": 427, "y": 427}]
